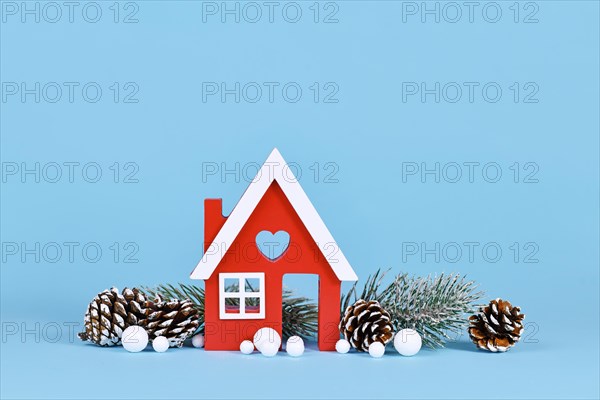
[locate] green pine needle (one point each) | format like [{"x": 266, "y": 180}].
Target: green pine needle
[
  {"x": 300, "y": 316},
  {"x": 433, "y": 306},
  {"x": 299, "y": 313}
]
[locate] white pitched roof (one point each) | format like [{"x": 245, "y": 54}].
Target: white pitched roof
[{"x": 275, "y": 169}]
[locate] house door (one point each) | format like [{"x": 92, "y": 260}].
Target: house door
[{"x": 304, "y": 286}]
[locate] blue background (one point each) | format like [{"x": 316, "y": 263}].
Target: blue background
[{"x": 171, "y": 133}]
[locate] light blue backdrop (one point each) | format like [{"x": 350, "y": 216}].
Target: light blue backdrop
[{"x": 490, "y": 88}]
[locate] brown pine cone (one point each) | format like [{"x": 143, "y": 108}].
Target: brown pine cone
[
  {"x": 497, "y": 326},
  {"x": 110, "y": 313},
  {"x": 364, "y": 323},
  {"x": 175, "y": 319}
]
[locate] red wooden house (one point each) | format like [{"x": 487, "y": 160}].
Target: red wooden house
[{"x": 243, "y": 281}]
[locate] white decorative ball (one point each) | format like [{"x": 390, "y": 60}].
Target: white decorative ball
[
  {"x": 198, "y": 340},
  {"x": 266, "y": 336},
  {"x": 407, "y": 342},
  {"x": 376, "y": 349},
  {"x": 160, "y": 344},
  {"x": 295, "y": 346},
  {"x": 247, "y": 347},
  {"x": 134, "y": 339},
  {"x": 342, "y": 346},
  {"x": 269, "y": 349}
]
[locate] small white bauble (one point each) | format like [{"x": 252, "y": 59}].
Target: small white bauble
[
  {"x": 266, "y": 336},
  {"x": 134, "y": 339},
  {"x": 407, "y": 342},
  {"x": 295, "y": 346},
  {"x": 198, "y": 340},
  {"x": 160, "y": 344},
  {"x": 342, "y": 346},
  {"x": 376, "y": 349},
  {"x": 269, "y": 349},
  {"x": 247, "y": 347}
]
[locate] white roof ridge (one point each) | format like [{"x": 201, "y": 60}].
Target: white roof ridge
[{"x": 273, "y": 170}]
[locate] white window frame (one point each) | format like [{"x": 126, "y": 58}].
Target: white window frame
[{"x": 242, "y": 295}]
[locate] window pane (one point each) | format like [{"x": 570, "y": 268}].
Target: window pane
[
  {"x": 232, "y": 306},
  {"x": 252, "y": 285},
  {"x": 232, "y": 285},
  {"x": 252, "y": 305}
]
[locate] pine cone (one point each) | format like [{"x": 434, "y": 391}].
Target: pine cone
[
  {"x": 176, "y": 320},
  {"x": 110, "y": 313},
  {"x": 364, "y": 323},
  {"x": 496, "y": 327}
]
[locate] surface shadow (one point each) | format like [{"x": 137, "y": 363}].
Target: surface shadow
[{"x": 462, "y": 346}]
